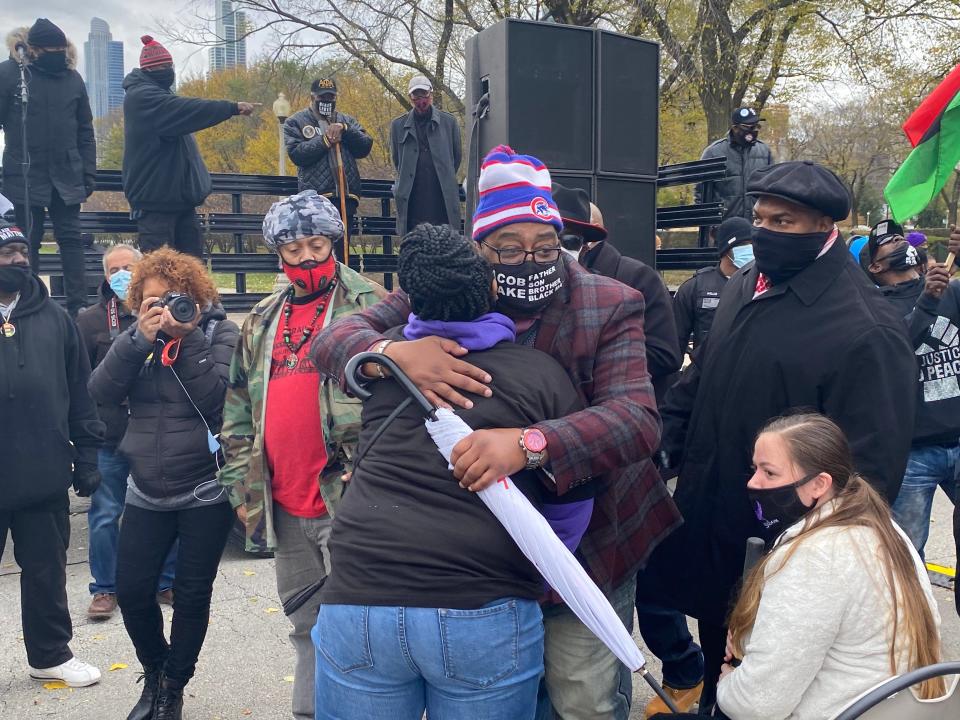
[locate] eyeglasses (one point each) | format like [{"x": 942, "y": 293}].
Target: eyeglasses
[
  {"x": 518, "y": 256},
  {"x": 889, "y": 238}
]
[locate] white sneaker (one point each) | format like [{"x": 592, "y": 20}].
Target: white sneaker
[{"x": 73, "y": 672}]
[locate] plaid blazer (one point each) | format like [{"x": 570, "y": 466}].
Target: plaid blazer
[{"x": 594, "y": 329}]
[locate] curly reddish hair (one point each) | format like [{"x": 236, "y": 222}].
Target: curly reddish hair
[{"x": 183, "y": 273}]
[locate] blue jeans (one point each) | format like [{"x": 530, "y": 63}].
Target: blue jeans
[
  {"x": 927, "y": 468},
  {"x": 103, "y": 517},
  {"x": 392, "y": 663}
]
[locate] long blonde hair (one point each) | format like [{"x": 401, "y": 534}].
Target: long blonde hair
[{"x": 815, "y": 443}]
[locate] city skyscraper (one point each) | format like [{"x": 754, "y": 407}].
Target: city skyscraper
[
  {"x": 103, "y": 65},
  {"x": 229, "y": 28}
]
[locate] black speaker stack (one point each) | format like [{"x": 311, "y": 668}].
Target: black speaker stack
[{"x": 586, "y": 103}]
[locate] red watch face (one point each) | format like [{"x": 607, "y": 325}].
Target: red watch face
[{"x": 534, "y": 441}]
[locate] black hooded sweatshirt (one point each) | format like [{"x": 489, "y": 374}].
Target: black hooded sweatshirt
[
  {"x": 47, "y": 419},
  {"x": 162, "y": 167},
  {"x": 934, "y": 329}
]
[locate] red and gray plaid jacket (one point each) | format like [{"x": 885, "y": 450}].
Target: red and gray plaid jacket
[{"x": 595, "y": 330}]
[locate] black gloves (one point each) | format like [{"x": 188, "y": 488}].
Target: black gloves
[{"x": 86, "y": 479}]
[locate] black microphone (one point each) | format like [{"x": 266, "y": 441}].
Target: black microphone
[{"x": 21, "y": 49}]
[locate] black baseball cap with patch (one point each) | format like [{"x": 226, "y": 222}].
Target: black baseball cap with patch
[
  {"x": 744, "y": 116},
  {"x": 322, "y": 86},
  {"x": 883, "y": 232}
]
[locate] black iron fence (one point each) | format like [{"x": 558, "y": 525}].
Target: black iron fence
[{"x": 378, "y": 231}]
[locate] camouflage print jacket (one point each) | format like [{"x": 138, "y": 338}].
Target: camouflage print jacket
[{"x": 246, "y": 475}]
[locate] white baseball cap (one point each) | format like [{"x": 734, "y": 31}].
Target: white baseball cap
[{"x": 419, "y": 82}]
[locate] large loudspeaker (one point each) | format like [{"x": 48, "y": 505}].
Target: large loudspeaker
[
  {"x": 586, "y": 103},
  {"x": 539, "y": 78},
  {"x": 629, "y": 210},
  {"x": 627, "y": 104}
]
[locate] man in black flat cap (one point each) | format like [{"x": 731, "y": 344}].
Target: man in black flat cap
[{"x": 793, "y": 330}]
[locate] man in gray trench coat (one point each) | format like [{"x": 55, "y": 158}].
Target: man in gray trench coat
[{"x": 425, "y": 147}]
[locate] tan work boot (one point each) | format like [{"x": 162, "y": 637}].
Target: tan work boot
[
  {"x": 102, "y": 607},
  {"x": 683, "y": 699}
]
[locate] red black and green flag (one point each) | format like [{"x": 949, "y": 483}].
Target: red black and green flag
[{"x": 934, "y": 129}]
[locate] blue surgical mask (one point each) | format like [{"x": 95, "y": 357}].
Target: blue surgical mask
[
  {"x": 741, "y": 255},
  {"x": 120, "y": 282}
]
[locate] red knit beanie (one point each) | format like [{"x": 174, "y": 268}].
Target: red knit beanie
[{"x": 153, "y": 54}]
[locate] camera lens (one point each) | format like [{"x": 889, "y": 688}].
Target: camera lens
[{"x": 182, "y": 308}]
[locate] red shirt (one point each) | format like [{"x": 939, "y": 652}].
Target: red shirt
[{"x": 293, "y": 430}]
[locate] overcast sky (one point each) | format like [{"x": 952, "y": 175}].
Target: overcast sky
[{"x": 128, "y": 20}]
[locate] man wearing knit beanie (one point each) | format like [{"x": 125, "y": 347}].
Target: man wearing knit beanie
[
  {"x": 62, "y": 162},
  {"x": 164, "y": 177},
  {"x": 593, "y": 326}
]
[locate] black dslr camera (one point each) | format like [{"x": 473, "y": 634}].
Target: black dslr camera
[{"x": 181, "y": 306}]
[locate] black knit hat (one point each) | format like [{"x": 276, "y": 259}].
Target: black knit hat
[
  {"x": 732, "y": 232},
  {"x": 10, "y": 233},
  {"x": 44, "y": 34},
  {"x": 444, "y": 275}
]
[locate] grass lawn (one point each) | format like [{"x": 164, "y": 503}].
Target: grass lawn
[{"x": 256, "y": 282}]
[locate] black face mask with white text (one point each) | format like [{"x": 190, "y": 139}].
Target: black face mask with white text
[{"x": 525, "y": 290}]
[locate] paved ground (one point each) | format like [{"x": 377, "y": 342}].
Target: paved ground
[{"x": 245, "y": 667}]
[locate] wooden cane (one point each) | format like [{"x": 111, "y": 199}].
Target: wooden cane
[
  {"x": 949, "y": 262},
  {"x": 343, "y": 207}
]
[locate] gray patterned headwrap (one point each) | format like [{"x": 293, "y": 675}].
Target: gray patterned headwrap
[{"x": 299, "y": 216}]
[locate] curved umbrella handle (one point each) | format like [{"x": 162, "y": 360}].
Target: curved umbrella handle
[{"x": 355, "y": 380}]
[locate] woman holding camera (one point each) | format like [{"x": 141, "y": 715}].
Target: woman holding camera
[{"x": 171, "y": 367}]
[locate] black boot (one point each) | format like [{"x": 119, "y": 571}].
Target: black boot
[
  {"x": 143, "y": 710},
  {"x": 169, "y": 700}
]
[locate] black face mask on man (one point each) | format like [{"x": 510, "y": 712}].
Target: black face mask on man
[
  {"x": 780, "y": 256},
  {"x": 525, "y": 290},
  {"x": 904, "y": 257},
  {"x": 746, "y": 135},
  {"x": 14, "y": 278},
  {"x": 164, "y": 78},
  {"x": 52, "y": 61},
  {"x": 325, "y": 108},
  {"x": 780, "y": 507}
]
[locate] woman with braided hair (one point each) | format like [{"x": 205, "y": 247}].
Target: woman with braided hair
[{"x": 429, "y": 604}]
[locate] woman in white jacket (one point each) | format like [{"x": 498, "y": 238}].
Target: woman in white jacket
[{"x": 841, "y": 603}]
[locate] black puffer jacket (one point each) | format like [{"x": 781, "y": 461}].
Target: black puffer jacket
[
  {"x": 316, "y": 164},
  {"x": 63, "y": 151},
  {"x": 166, "y": 440},
  {"x": 94, "y": 326},
  {"x": 162, "y": 167}
]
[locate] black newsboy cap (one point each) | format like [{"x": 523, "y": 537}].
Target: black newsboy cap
[{"x": 805, "y": 183}]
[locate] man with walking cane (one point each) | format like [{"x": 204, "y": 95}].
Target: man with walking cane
[{"x": 325, "y": 145}]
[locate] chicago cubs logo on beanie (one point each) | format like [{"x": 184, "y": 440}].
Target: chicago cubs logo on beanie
[{"x": 513, "y": 189}]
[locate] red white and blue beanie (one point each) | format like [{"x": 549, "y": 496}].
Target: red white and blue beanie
[{"x": 513, "y": 189}]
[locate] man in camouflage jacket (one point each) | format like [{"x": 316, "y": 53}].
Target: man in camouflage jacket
[{"x": 285, "y": 454}]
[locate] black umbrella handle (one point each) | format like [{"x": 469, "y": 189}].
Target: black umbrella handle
[{"x": 356, "y": 380}]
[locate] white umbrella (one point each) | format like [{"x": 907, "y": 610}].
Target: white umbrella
[{"x": 543, "y": 548}]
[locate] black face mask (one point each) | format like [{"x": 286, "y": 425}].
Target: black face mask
[
  {"x": 905, "y": 257},
  {"x": 325, "y": 108},
  {"x": 14, "y": 278},
  {"x": 164, "y": 78},
  {"x": 52, "y": 62},
  {"x": 781, "y": 255},
  {"x": 780, "y": 507},
  {"x": 525, "y": 290},
  {"x": 747, "y": 138},
  {"x": 571, "y": 242}
]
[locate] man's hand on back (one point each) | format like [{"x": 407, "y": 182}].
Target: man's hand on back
[
  {"x": 485, "y": 456},
  {"x": 432, "y": 364}
]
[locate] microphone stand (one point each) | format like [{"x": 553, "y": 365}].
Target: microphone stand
[{"x": 25, "y": 162}]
